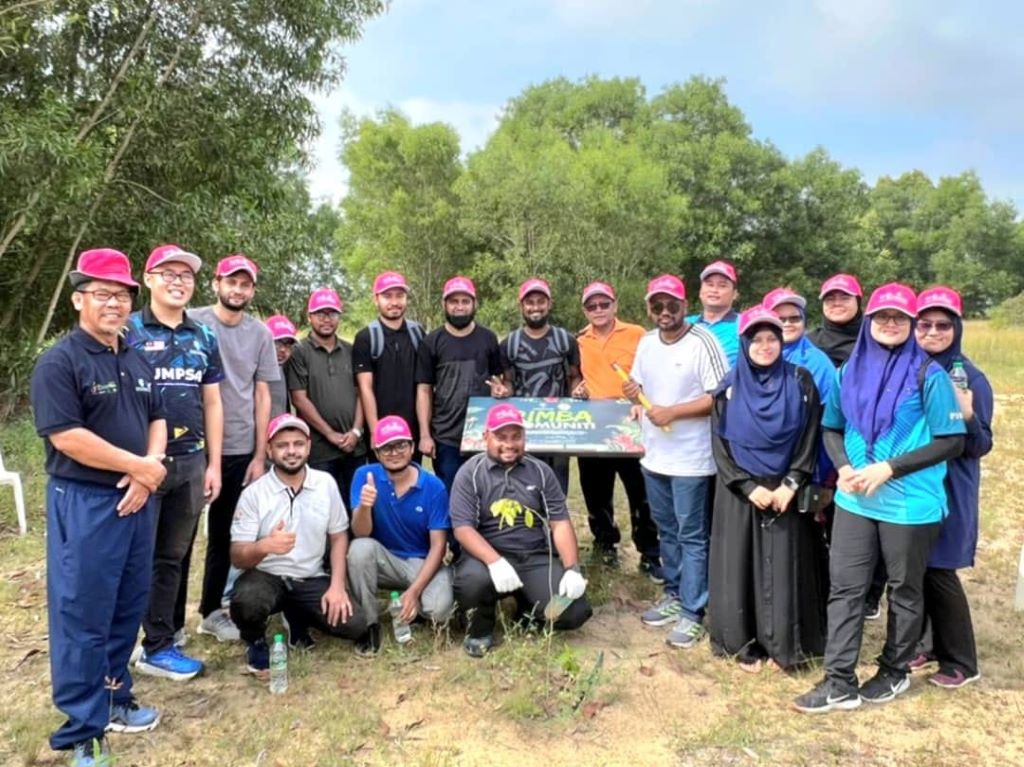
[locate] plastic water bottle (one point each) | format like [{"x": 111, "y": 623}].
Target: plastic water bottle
[
  {"x": 278, "y": 666},
  {"x": 403, "y": 631},
  {"x": 958, "y": 375}
]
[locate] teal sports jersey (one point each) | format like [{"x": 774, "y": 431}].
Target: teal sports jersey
[
  {"x": 918, "y": 498},
  {"x": 726, "y": 330}
]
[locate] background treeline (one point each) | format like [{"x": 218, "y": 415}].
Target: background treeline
[{"x": 132, "y": 123}]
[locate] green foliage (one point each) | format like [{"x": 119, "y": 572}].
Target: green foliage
[{"x": 1010, "y": 313}]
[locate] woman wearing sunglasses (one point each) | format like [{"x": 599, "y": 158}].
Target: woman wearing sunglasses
[
  {"x": 890, "y": 426},
  {"x": 939, "y": 330}
]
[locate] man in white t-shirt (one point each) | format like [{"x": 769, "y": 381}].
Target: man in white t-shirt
[{"x": 677, "y": 365}]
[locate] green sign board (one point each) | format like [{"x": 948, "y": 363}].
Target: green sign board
[{"x": 562, "y": 426}]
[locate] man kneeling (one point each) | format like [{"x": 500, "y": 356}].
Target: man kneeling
[
  {"x": 400, "y": 518},
  {"x": 509, "y": 514},
  {"x": 278, "y": 538}
]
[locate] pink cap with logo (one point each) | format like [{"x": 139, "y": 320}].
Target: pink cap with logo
[
  {"x": 281, "y": 328},
  {"x": 781, "y": 296},
  {"x": 844, "y": 283},
  {"x": 598, "y": 289},
  {"x": 387, "y": 281},
  {"x": 758, "y": 315},
  {"x": 940, "y": 297},
  {"x": 668, "y": 284},
  {"x": 103, "y": 264},
  {"x": 459, "y": 285},
  {"x": 502, "y": 415},
  {"x": 391, "y": 428},
  {"x": 723, "y": 268},
  {"x": 893, "y": 296},
  {"x": 237, "y": 263},
  {"x": 286, "y": 421},
  {"x": 163, "y": 253},
  {"x": 324, "y": 300},
  {"x": 534, "y": 285}
]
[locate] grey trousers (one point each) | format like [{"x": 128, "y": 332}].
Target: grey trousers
[{"x": 371, "y": 567}]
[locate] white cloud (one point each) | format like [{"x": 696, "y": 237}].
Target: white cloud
[{"x": 473, "y": 122}]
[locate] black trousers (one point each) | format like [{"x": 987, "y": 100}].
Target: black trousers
[
  {"x": 343, "y": 469},
  {"x": 218, "y": 543},
  {"x": 949, "y": 631},
  {"x": 597, "y": 481},
  {"x": 258, "y": 595},
  {"x": 475, "y": 593},
  {"x": 179, "y": 503},
  {"x": 857, "y": 545}
]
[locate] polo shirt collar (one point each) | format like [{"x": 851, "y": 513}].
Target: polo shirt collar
[
  {"x": 420, "y": 471},
  {"x": 491, "y": 463},
  {"x": 94, "y": 346},
  {"x": 730, "y": 316},
  {"x": 148, "y": 318},
  {"x": 616, "y": 327},
  {"x": 280, "y": 486},
  {"x": 315, "y": 342}
]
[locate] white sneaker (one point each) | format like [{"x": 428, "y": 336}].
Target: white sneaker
[
  {"x": 180, "y": 638},
  {"x": 219, "y": 624}
]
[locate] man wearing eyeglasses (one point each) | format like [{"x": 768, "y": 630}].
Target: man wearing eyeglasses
[
  {"x": 102, "y": 422},
  {"x": 187, "y": 368},
  {"x": 400, "y": 523}
]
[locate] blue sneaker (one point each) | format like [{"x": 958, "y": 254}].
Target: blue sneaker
[
  {"x": 257, "y": 658},
  {"x": 91, "y": 753},
  {"x": 170, "y": 663},
  {"x": 131, "y": 717}
]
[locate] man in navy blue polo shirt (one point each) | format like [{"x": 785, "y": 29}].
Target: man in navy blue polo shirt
[
  {"x": 400, "y": 523},
  {"x": 100, "y": 417},
  {"x": 186, "y": 365}
]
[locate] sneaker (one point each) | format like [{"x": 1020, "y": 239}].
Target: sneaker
[
  {"x": 257, "y": 658},
  {"x": 919, "y": 661},
  {"x": 169, "y": 664},
  {"x": 91, "y": 753},
  {"x": 298, "y": 636},
  {"x": 664, "y": 612},
  {"x": 180, "y": 638},
  {"x": 828, "y": 695},
  {"x": 884, "y": 686},
  {"x": 478, "y": 647},
  {"x": 872, "y": 611},
  {"x": 653, "y": 570},
  {"x": 368, "y": 645},
  {"x": 219, "y": 624},
  {"x": 131, "y": 717},
  {"x": 952, "y": 678},
  {"x": 685, "y": 634},
  {"x": 605, "y": 556}
]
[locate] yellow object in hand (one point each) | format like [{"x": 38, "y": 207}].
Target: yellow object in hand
[{"x": 644, "y": 402}]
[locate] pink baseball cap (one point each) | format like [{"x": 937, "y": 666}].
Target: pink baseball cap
[
  {"x": 779, "y": 296},
  {"x": 534, "y": 285},
  {"x": 940, "y": 297},
  {"x": 324, "y": 299},
  {"x": 103, "y": 264},
  {"x": 387, "y": 281},
  {"x": 502, "y": 415},
  {"x": 844, "y": 283},
  {"x": 893, "y": 296},
  {"x": 391, "y": 429},
  {"x": 598, "y": 289},
  {"x": 286, "y": 421},
  {"x": 237, "y": 262},
  {"x": 281, "y": 328},
  {"x": 459, "y": 285},
  {"x": 163, "y": 253},
  {"x": 758, "y": 315},
  {"x": 668, "y": 284},
  {"x": 723, "y": 268}
]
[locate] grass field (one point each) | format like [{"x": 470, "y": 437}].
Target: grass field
[{"x": 612, "y": 694}]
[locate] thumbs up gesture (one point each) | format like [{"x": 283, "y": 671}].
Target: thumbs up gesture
[
  {"x": 368, "y": 493},
  {"x": 280, "y": 541}
]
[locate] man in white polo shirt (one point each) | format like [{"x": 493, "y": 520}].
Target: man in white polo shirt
[{"x": 278, "y": 537}]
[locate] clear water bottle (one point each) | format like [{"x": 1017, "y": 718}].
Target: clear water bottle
[
  {"x": 278, "y": 666},
  {"x": 958, "y": 375},
  {"x": 403, "y": 631}
]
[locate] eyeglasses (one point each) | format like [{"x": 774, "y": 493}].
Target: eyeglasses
[
  {"x": 170, "y": 276},
  {"x": 394, "y": 448},
  {"x": 672, "y": 307},
  {"x": 890, "y": 318},
  {"x": 598, "y": 306},
  {"x": 103, "y": 296},
  {"x": 792, "y": 319},
  {"x": 942, "y": 326},
  {"x": 326, "y": 315}
]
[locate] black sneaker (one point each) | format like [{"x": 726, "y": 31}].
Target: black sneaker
[
  {"x": 828, "y": 695},
  {"x": 653, "y": 570},
  {"x": 872, "y": 611},
  {"x": 368, "y": 645},
  {"x": 298, "y": 634},
  {"x": 884, "y": 686},
  {"x": 257, "y": 657},
  {"x": 605, "y": 556}
]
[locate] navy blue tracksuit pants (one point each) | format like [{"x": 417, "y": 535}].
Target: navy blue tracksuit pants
[{"x": 98, "y": 570}]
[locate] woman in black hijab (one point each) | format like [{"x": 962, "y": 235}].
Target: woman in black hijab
[{"x": 841, "y": 295}]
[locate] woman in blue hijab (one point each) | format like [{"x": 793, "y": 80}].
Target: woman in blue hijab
[
  {"x": 890, "y": 426},
  {"x": 766, "y": 584}
]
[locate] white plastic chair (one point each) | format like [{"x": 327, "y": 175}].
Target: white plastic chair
[{"x": 13, "y": 479}]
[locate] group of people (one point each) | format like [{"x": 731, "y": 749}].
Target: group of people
[{"x": 783, "y": 473}]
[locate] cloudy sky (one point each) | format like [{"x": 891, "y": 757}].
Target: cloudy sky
[{"x": 884, "y": 85}]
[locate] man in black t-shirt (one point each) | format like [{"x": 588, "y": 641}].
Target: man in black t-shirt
[{"x": 456, "y": 361}]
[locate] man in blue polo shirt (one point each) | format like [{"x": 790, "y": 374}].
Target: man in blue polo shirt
[
  {"x": 186, "y": 364},
  {"x": 100, "y": 417},
  {"x": 400, "y": 520},
  {"x": 718, "y": 293}
]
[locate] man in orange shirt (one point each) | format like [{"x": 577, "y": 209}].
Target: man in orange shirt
[{"x": 604, "y": 341}]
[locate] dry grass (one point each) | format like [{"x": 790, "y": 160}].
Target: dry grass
[{"x": 543, "y": 700}]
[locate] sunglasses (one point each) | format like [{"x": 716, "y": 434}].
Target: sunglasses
[
  {"x": 926, "y": 326},
  {"x": 890, "y": 318},
  {"x": 672, "y": 307},
  {"x": 598, "y": 306},
  {"x": 791, "y": 319}
]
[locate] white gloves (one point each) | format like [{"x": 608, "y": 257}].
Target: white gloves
[
  {"x": 504, "y": 576},
  {"x": 572, "y": 585}
]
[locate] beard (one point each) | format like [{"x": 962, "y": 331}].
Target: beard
[
  {"x": 291, "y": 471},
  {"x": 536, "y": 323},
  {"x": 459, "y": 322},
  {"x": 235, "y": 306}
]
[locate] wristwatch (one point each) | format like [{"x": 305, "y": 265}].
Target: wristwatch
[
  {"x": 358, "y": 432},
  {"x": 791, "y": 483}
]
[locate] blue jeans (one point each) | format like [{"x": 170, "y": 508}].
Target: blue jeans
[
  {"x": 448, "y": 459},
  {"x": 679, "y": 506}
]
